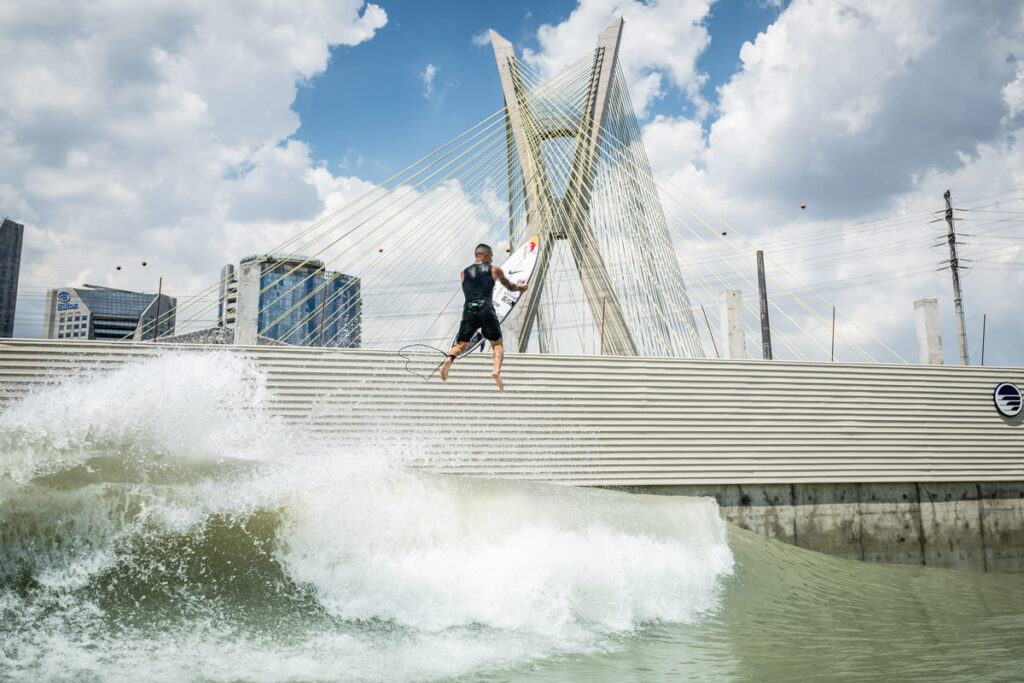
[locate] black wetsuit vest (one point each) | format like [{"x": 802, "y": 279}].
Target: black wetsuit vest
[{"x": 477, "y": 282}]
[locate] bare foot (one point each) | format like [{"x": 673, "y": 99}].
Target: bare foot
[
  {"x": 445, "y": 367},
  {"x": 497, "y": 378}
]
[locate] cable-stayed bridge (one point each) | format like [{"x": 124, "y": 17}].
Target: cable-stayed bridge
[
  {"x": 563, "y": 159},
  {"x": 580, "y": 170}
]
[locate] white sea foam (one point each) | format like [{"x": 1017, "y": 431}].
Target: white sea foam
[
  {"x": 459, "y": 575},
  {"x": 180, "y": 406},
  {"x": 432, "y": 553}
]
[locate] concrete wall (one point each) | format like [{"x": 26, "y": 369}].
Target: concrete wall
[
  {"x": 607, "y": 421},
  {"x": 958, "y": 525},
  {"x": 861, "y": 461}
]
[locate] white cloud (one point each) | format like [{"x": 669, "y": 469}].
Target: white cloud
[
  {"x": 864, "y": 110},
  {"x": 482, "y": 39},
  {"x": 846, "y": 103},
  {"x": 1013, "y": 94},
  {"x": 428, "y": 80},
  {"x": 151, "y": 133},
  {"x": 660, "y": 44},
  {"x": 352, "y": 160},
  {"x": 867, "y": 112},
  {"x": 672, "y": 142}
]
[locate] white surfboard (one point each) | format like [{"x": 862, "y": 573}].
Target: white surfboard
[{"x": 517, "y": 268}]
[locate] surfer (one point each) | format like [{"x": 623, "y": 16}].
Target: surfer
[{"x": 478, "y": 312}]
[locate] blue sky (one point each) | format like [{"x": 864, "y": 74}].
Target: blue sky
[{"x": 369, "y": 103}]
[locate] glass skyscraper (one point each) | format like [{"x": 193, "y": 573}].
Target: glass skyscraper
[
  {"x": 104, "y": 313},
  {"x": 10, "y": 268},
  {"x": 301, "y": 303}
]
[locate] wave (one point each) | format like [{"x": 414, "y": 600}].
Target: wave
[{"x": 156, "y": 518}]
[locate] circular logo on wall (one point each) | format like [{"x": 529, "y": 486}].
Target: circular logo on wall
[
  {"x": 64, "y": 297},
  {"x": 1008, "y": 399}
]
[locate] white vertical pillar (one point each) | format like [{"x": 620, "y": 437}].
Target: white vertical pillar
[
  {"x": 247, "y": 316},
  {"x": 50, "y": 327},
  {"x": 929, "y": 341},
  {"x": 733, "y": 343}
]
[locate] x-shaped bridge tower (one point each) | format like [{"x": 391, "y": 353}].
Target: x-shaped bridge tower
[{"x": 598, "y": 196}]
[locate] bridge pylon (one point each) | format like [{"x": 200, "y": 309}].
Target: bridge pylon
[{"x": 557, "y": 189}]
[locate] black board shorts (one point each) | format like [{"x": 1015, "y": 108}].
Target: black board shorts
[{"x": 479, "y": 315}]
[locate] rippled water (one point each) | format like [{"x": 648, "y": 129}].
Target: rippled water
[
  {"x": 157, "y": 524},
  {"x": 790, "y": 614}
]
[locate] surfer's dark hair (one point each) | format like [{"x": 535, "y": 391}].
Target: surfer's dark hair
[{"x": 482, "y": 249}]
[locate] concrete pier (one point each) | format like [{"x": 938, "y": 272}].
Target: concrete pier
[
  {"x": 929, "y": 340},
  {"x": 733, "y": 344},
  {"x": 247, "y": 316},
  {"x": 959, "y": 525}
]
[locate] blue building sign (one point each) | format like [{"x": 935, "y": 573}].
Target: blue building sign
[{"x": 63, "y": 304}]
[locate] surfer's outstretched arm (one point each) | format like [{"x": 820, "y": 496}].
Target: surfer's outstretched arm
[{"x": 499, "y": 275}]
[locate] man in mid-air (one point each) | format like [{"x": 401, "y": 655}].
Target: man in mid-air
[{"x": 478, "y": 313}]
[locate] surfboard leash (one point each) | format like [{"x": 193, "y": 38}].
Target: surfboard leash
[
  {"x": 408, "y": 359},
  {"x": 427, "y": 378}
]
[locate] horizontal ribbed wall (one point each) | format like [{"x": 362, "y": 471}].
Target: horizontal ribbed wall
[{"x": 618, "y": 421}]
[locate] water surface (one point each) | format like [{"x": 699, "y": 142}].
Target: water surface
[{"x": 156, "y": 527}]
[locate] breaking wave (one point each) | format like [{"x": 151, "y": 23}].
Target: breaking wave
[{"x": 156, "y": 521}]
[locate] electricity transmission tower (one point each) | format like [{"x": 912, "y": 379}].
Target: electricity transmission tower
[{"x": 954, "y": 267}]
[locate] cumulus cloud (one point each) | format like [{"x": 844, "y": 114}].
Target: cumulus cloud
[
  {"x": 867, "y": 112},
  {"x": 864, "y": 110},
  {"x": 482, "y": 39},
  {"x": 152, "y": 133},
  {"x": 660, "y": 44},
  {"x": 847, "y": 103},
  {"x": 428, "y": 75},
  {"x": 674, "y": 141},
  {"x": 1013, "y": 94}
]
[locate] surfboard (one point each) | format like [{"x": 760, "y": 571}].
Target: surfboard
[{"x": 517, "y": 267}]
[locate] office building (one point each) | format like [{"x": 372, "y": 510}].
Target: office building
[
  {"x": 107, "y": 314},
  {"x": 299, "y": 302},
  {"x": 10, "y": 267}
]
